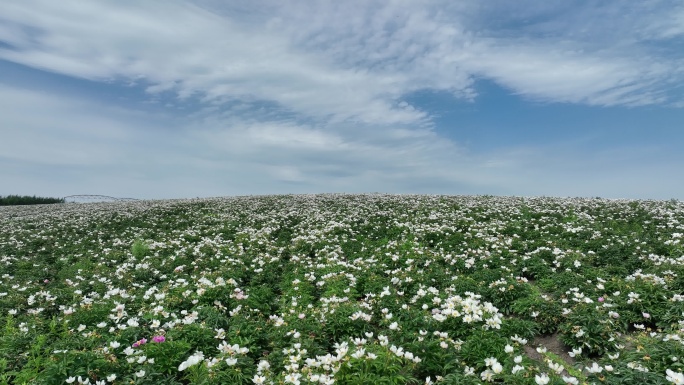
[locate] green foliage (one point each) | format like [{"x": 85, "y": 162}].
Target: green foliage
[
  {"x": 520, "y": 327},
  {"x": 140, "y": 248},
  {"x": 167, "y": 355},
  {"x": 505, "y": 292},
  {"x": 588, "y": 328},
  {"x": 545, "y": 314},
  {"x": 482, "y": 345}
]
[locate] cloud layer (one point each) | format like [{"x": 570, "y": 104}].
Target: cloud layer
[
  {"x": 354, "y": 60},
  {"x": 313, "y": 96}
]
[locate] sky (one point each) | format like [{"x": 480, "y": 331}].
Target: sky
[{"x": 183, "y": 99}]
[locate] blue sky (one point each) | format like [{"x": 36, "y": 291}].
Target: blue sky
[{"x": 176, "y": 99}]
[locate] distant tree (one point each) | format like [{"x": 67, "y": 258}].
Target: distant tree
[{"x": 13, "y": 200}]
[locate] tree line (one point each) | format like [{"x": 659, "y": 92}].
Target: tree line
[{"x": 12, "y": 200}]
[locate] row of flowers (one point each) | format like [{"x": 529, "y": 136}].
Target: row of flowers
[{"x": 342, "y": 288}]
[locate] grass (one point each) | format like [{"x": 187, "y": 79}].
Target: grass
[{"x": 344, "y": 289}]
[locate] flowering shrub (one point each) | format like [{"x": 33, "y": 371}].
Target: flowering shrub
[
  {"x": 588, "y": 328},
  {"x": 343, "y": 289}
]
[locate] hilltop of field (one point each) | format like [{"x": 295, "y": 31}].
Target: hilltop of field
[{"x": 344, "y": 289}]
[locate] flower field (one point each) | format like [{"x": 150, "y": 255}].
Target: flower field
[{"x": 343, "y": 289}]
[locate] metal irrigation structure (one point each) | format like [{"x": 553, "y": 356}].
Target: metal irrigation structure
[{"x": 95, "y": 198}]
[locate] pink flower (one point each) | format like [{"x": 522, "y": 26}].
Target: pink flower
[
  {"x": 140, "y": 342},
  {"x": 601, "y": 299},
  {"x": 646, "y": 315},
  {"x": 158, "y": 339}
]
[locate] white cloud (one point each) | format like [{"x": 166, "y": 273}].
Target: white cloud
[
  {"x": 561, "y": 74},
  {"x": 189, "y": 50},
  {"x": 55, "y": 131},
  {"x": 75, "y": 146},
  {"x": 310, "y": 96},
  {"x": 59, "y": 146},
  {"x": 351, "y": 60}
]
